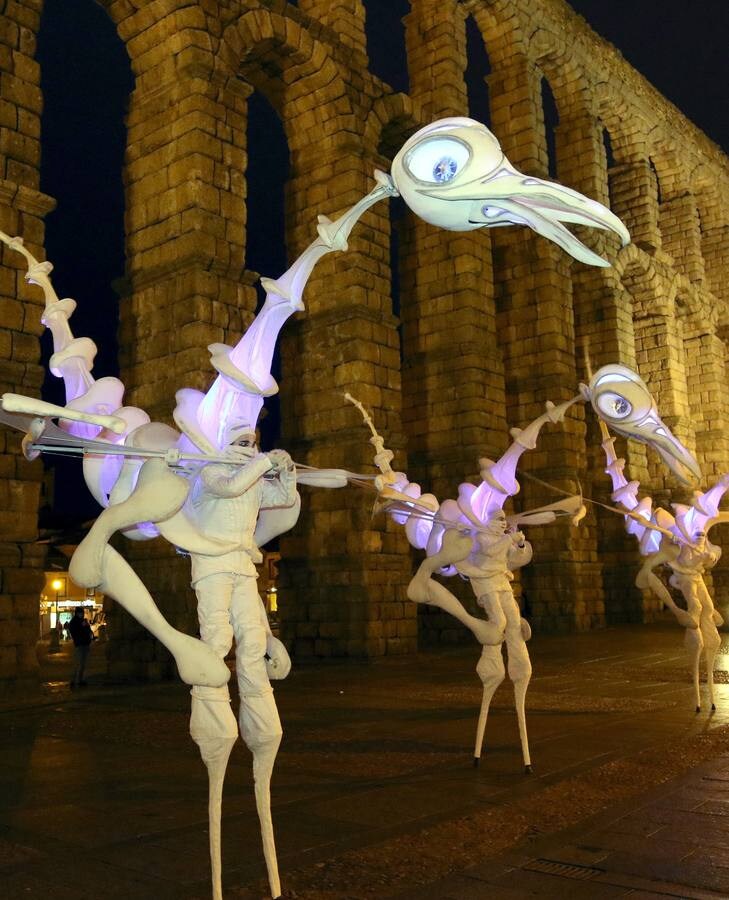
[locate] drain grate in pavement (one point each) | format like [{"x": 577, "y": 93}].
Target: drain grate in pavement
[{"x": 563, "y": 870}]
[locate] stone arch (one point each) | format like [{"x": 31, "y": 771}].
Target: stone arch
[
  {"x": 633, "y": 183},
  {"x": 656, "y": 180},
  {"x": 636, "y": 155},
  {"x": 166, "y": 37},
  {"x": 607, "y": 143},
  {"x": 679, "y": 220},
  {"x": 642, "y": 278},
  {"x": 550, "y": 119},
  {"x": 659, "y": 344},
  {"x": 618, "y": 116},
  {"x": 511, "y": 81},
  {"x": 500, "y": 28},
  {"x": 133, "y": 19},
  {"x": 574, "y": 148},
  {"x": 273, "y": 52},
  {"x": 391, "y": 121},
  {"x": 670, "y": 168},
  {"x": 83, "y": 118},
  {"x": 563, "y": 71},
  {"x": 712, "y": 202}
]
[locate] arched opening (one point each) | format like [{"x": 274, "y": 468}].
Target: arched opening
[
  {"x": 86, "y": 80},
  {"x": 551, "y": 121},
  {"x": 266, "y": 176},
  {"x": 608, "y": 146},
  {"x": 610, "y": 165},
  {"x": 659, "y": 196},
  {"x": 385, "y": 33},
  {"x": 398, "y": 212},
  {"x": 391, "y": 139},
  {"x": 478, "y": 68}
]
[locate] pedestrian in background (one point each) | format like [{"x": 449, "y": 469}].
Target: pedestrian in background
[{"x": 82, "y": 636}]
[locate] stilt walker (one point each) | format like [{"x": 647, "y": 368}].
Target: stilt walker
[
  {"x": 678, "y": 542},
  {"x": 472, "y": 537}
]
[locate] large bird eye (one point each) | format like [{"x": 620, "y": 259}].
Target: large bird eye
[
  {"x": 437, "y": 160},
  {"x": 619, "y": 395},
  {"x": 613, "y": 405}
]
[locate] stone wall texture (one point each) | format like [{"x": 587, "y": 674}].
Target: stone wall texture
[{"x": 491, "y": 324}]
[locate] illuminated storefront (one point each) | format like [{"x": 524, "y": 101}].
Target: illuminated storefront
[{"x": 59, "y": 599}]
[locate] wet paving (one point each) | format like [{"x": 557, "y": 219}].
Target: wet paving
[{"x": 102, "y": 793}]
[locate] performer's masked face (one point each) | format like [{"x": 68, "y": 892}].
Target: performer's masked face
[
  {"x": 496, "y": 524},
  {"x": 244, "y": 440}
]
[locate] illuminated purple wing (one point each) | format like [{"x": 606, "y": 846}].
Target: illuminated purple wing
[
  {"x": 499, "y": 478},
  {"x": 244, "y": 380}
]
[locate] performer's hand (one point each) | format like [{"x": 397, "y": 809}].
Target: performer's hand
[
  {"x": 399, "y": 482},
  {"x": 383, "y": 459},
  {"x": 281, "y": 460},
  {"x": 278, "y": 661}
]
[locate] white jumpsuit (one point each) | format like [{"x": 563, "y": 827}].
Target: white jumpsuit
[{"x": 226, "y": 501}]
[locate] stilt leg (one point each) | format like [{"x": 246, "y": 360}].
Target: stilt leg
[
  {"x": 712, "y": 642},
  {"x": 694, "y": 643},
  {"x": 520, "y": 673},
  {"x": 517, "y": 634},
  {"x": 263, "y": 760},
  {"x": 520, "y": 689},
  {"x": 260, "y": 726},
  {"x": 214, "y": 729},
  {"x": 490, "y": 670},
  {"x": 261, "y": 730}
]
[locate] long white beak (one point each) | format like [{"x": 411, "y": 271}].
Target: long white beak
[
  {"x": 672, "y": 452},
  {"x": 507, "y": 197}
]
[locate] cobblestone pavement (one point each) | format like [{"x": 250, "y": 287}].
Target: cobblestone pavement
[
  {"x": 102, "y": 793},
  {"x": 670, "y": 843}
]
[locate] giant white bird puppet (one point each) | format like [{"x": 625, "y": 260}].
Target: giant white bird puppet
[
  {"x": 472, "y": 537},
  {"x": 152, "y": 479},
  {"x": 676, "y": 541}
]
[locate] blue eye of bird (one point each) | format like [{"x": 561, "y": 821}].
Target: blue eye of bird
[
  {"x": 445, "y": 169},
  {"x": 437, "y": 160},
  {"x": 614, "y": 405}
]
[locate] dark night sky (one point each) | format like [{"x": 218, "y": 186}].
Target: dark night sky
[
  {"x": 86, "y": 79},
  {"x": 680, "y": 47}
]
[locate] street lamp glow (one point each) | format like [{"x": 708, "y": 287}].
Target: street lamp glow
[{"x": 57, "y": 585}]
